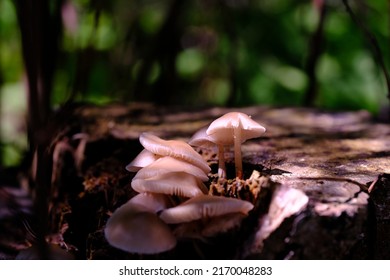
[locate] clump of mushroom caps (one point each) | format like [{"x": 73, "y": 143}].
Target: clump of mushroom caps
[{"x": 173, "y": 198}]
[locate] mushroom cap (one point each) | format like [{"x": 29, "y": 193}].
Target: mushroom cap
[
  {"x": 153, "y": 202},
  {"x": 200, "y": 138},
  {"x": 133, "y": 228},
  {"x": 167, "y": 165},
  {"x": 221, "y": 130},
  {"x": 204, "y": 206},
  {"x": 173, "y": 148},
  {"x": 173, "y": 183},
  {"x": 144, "y": 158}
]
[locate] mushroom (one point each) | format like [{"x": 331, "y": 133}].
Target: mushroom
[
  {"x": 200, "y": 138},
  {"x": 136, "y": 228},
  {"x": 204, "y": 206},
  {"x": 173, "y": 148},
  {"x": 155, "y": 202},
  {"x": 234, "y": 128},
  {"x": 144, "y": 158},
  {"x": 173, "y": 183},
  {"x": 167, "y": 165}
]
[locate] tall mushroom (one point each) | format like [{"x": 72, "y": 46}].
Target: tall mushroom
[{"x": 234, "y": 128}]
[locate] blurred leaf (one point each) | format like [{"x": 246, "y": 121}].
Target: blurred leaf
[
  {"x": 101, "y": 34},
  {"x": 12, "y": 122},
  {"x": 290, "y": 77},
  {"x": 151, "y": 18},
  {"x": 190, "y": 62},
  {"x": 261, "y": 90},
  {"x": 217, "y": 91},
  {"x": 12, "y": 155},
  {"x": 328, "y": 68}
]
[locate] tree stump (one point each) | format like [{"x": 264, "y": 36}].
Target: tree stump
[{"x": 325, "y": 193}]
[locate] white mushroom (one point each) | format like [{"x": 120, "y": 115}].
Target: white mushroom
[
  {"x": 200, "y": 138},
  {"x": 144, "y": 158},
  {"x": 167, "y": 165},
  {"x": 234, "y": 128},
  {"x": 139, "y": 232},
  {"x": 173, "y": 148},
  {"x": 173, "y": 183},
  {"x": 135, "y": 228},
  {"x": 204, "y": 206}
]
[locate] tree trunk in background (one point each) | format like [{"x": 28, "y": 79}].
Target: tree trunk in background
[
  {"x": 40, "y": 28},
  {"x": 315, "y": 49}
]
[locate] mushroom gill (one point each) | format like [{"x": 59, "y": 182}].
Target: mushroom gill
[
  {"x": 167, "y": 165},
  {"x": 204, "y": 206},
  {"x": 172, "y": 183}
]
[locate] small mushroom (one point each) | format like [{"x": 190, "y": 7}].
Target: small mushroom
[
  {"x": 173, "y": 148},
  {"x": 200, "y": 138},
  {"x": 167, "y": 165},
  {"x": 144, "y": 158},
  {"x": 204, "y": 206},
  {"x": 135, "y": 228},
  {"x": 173, "y": 183},
  {"x": 234, "y": 128}
]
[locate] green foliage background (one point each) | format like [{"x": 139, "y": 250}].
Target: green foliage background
[{"x": 199, "y": 53}]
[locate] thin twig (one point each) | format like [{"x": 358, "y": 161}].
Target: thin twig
[
  {"x": 363, "y": 187},
  {"x": 372, "y": 185},
  {"x": 316, "y": 43}
]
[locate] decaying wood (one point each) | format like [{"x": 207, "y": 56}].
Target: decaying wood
[
  {"x": 380, "y": 208},
  {"x": 314, "y": 203}
]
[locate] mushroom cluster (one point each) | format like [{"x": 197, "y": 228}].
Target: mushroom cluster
[{"x": 170, "y": 180}]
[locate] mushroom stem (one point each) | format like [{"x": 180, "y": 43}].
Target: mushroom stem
[
  {"x": 221, "y": 162},
  {"x": 237, "y": 152}
]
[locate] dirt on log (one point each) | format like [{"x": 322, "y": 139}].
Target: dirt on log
[{"x": 325, "y": 191}]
